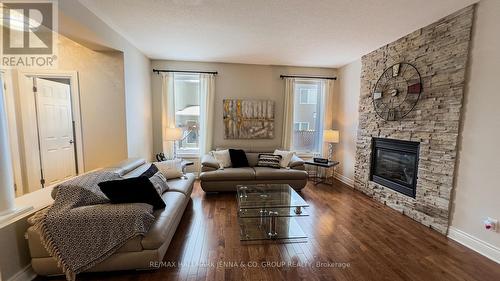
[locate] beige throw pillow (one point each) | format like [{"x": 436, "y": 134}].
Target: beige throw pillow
[
  {"x": 170, "y": 169},
  {"x": 286, "y": 157},
  {"x": 222, "y": 157}
]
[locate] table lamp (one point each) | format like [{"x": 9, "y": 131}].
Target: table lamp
[
  {"x": 172, "y": 134},
  {"x": 331, "y": 137}
]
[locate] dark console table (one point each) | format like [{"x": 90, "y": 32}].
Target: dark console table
[{"x": 328, "y": 168}]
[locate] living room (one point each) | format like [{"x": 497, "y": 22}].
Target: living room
[{"x": 256, "y": 140}]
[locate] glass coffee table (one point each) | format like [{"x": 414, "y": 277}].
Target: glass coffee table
[{"x": 269, "y": 211}]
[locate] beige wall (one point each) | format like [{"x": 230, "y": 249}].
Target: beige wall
[
  {"x": 81, "y": 25},
  {"x": 102, "y": 102},
  {"x": 345, "y": 118},
  {"x": 477, "y": 189},
  {"x": 102, "y": 108},
  {"x": 236, "y": 81}
]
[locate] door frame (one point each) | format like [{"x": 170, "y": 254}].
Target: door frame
[
  {"x": 29, "y": 122},
  {"x": 11, "y": 108}
]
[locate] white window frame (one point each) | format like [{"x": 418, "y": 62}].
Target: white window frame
[
  {"x": 187, "y": 152},
  {"x": 322, "y": 110}
]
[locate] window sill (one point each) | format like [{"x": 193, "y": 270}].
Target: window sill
[
  {"x": 188, "y": 153},
  {"x": 307, "y": 155},
  {"x": 29, "y": 204},
  {"x": 34, "y": 201}
]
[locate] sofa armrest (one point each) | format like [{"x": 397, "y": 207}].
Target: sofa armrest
[
  {"x": 208, "y": 163},
  {"x": 296, "y": 162}
]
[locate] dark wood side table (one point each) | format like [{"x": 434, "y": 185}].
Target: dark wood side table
[{"x": 327, "y": 167}]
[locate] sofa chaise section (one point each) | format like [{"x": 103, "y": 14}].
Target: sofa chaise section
[{"x": 139, "y": 252}]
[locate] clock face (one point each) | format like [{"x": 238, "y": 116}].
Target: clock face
[{"x": 397, "y": 91}]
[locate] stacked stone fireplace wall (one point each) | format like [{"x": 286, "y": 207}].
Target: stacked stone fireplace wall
[{"x": 439, "y": 52}]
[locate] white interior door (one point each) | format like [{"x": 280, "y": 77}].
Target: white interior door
[{"x": 55, "y": 130}]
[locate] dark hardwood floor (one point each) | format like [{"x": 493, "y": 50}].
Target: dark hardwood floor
[{"x": 352, "y": 236}]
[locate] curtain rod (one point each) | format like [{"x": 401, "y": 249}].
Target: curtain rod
[
  {"x": 302, "y": 76},
  {"x": 184, "y": 71}
]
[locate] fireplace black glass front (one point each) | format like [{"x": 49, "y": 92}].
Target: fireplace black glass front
[{"x": 395, "y": 164}]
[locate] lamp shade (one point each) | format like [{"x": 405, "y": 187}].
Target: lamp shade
[
  {"x": 172, "y": 134},
  {"x": 331, "y": 136}
]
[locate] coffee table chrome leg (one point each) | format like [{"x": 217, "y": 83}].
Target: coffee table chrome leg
[
  {"x": 298, "y": 210},
  {"x": 272, "y": 224},
  {"x": 263, "y": 213}
]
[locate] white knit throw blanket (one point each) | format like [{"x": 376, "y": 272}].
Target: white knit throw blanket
[{"x": 81, "y": 228}]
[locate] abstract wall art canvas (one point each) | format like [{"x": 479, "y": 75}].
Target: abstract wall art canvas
[{"x": 248, "y": 119}]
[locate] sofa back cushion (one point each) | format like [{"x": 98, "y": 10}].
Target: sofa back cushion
[{"x": 253, "y": 158}]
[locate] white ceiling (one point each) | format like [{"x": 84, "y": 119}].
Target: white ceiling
[{"x": 278, "y": 32}]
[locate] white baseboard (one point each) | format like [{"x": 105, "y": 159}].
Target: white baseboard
[
  {"x": 469, "y": 241},
  {"x": 26, "y": 274},
  {"x": 344, "y": 179}
]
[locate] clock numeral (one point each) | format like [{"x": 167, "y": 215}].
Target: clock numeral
[
  {"x": 391, "y": 115},
  {"x": 415, "y": 88},
  {"x": 395, "y": 70}
]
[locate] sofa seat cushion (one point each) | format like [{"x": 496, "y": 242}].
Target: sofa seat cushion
[
  {"x": 265, "y": 173},
  {"x": 165, "y": 220},
  {"x": 37, "y": 250},
  {"x": 185, "y": 186},
  {"x": 229, "y": 174}
]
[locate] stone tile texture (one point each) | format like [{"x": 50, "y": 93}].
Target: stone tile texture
[{"x": 439, "y": 52}]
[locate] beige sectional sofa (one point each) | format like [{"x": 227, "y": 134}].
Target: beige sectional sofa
[
  {"x": 214, "y": 179},
  {"x": 138, "y": 252}
]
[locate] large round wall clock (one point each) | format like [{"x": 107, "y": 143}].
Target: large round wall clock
[{"x": 397, "y": 91}]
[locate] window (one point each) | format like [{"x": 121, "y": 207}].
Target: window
[
  {"x": 187, "y": 111},
  {"x": 301, "y": 126},
  {"x": 308, "y": 116},
  {"x": 308, "y": 94}
]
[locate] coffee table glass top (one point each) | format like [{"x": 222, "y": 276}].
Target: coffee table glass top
[{"x": 268, "y": 196}]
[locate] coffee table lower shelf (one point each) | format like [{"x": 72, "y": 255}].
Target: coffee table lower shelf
[{"x": 252, "y": 229}]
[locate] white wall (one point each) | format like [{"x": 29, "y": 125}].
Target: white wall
[
  {"x": 236, "y": 81},
  {"x": 345, "y": 118},
  {"x": 477, "y": 188}
]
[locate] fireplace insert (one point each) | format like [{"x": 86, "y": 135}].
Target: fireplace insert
[{"x": 395, "y": 164}]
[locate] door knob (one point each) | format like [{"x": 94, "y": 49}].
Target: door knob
[{"x": 71, "y": 141}]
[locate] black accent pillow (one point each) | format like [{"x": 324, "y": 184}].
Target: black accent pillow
[
  {"x": 238, "y": 158},
  {"x": 132, "y": 190},
  {"x": 150, "y": 171},
  {"x": 269, "y": 160}
]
